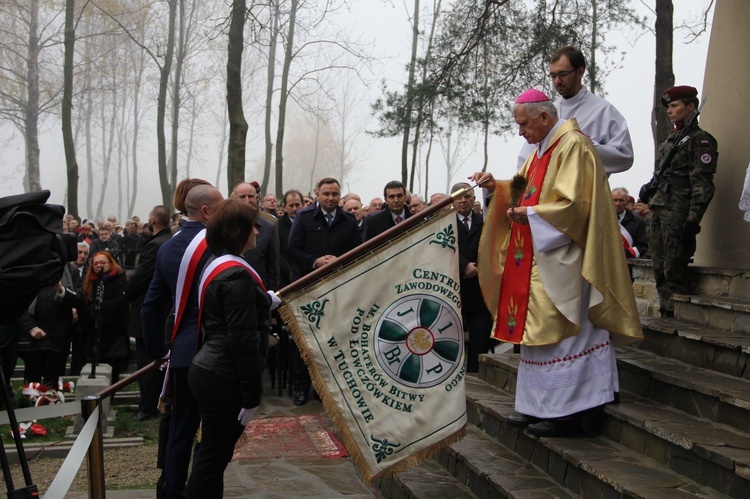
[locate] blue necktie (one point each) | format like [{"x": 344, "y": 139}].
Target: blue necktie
[{"x": 329, "y": 219}]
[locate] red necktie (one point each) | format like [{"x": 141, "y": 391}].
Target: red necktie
[{"x": 399, "y": 219}]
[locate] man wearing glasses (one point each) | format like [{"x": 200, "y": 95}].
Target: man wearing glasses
[
  {"x": 416, "y": 204},
  {"x": 596, "y": 117}
]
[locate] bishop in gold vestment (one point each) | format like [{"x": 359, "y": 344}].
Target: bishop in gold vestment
[{"x": 553, "y": 273}]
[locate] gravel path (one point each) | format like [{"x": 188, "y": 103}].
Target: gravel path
[{"x": 132, "y": 467}]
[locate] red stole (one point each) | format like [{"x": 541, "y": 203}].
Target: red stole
[
  {"x": 186, "y": 276},
  {"x": 513, "y": 304},
  {"x": 213, "y": 269}
]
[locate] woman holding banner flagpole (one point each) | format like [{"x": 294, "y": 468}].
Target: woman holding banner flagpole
[{"x": 225, "y": 376}]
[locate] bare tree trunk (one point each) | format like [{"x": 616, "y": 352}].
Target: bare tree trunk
[
  {"x": 161, "y": 107},
  {"x": 191, "y": 138},
  {"x": 269, "y": 94},
  {"x": 67, "y": 108},
  {"x": 89, "y": 150},
  {"x": 592, "y": 57},
  {"x": 222, "y": 145},
  {"x": 316, "y": 153},
  {"x": 136, "y": 125},
  {"x": 664, "y": 76},
  {"x": 283, "y": 98},
  {"x": 87, "y": 123},
  {"x": 342, "y": 149},
  {"x": 420, "y": 109},
  {"x": 176, "y": 83},
  {"x": 237, "y": 123},
  {"x": 32, "y": 181},
  {"x": 409, "y": 96},
  {"x": 107, "y": 144}
]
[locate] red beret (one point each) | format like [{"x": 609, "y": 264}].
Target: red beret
[
  {"x": 678, "y": 93},
  {"x": 255, "y": 184}
]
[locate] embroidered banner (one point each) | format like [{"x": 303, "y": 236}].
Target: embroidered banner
[{"x": 383, "y": 339}]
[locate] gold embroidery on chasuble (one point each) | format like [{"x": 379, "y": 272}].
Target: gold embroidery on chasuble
[{"x": 513, "y": 304}]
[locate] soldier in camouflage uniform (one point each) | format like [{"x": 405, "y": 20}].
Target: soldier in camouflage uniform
[{"x": 678, "y": 211}]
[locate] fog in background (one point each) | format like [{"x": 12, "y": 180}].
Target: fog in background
[{"x": 385, "y": 29}]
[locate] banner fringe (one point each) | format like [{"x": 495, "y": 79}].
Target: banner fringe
[
  {"x": 342, "y": 430},
  {"x": 415, "y": 459}
]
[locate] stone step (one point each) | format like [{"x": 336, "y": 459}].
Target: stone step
[
  {"x": 717, "y": 455},
  {"x": 717, "y": 350},
  {"x": 707, "y": 394},
  {"x": 489, "y": 469},
  {"x": 585, "y": 466},
  {"x": 700, "y": 392},
  {"x": 711, "y": 281},
  {"x": 727, "y": 313},
  {"x": 429, "y": 479}
]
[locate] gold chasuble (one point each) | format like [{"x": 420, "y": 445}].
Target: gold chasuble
[{"x": 568, "y": 188}]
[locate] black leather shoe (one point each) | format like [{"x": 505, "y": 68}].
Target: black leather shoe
[
  {"x": 518, "y": 420},
  {"x": 143, "y": 416},
  {"x": 300, "y": 398},
  {"x": 555, "y": 428},
  {"x": 666, "y": 314}
]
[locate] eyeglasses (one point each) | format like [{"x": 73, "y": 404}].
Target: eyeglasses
[{"x": 561, "y": 74}]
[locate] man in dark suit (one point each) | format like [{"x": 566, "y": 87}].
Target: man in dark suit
[
  {"x": 477, "y": 319},
  {"x": 265, "y": 257},
  {"x": 635, "y": 233},
  {"x": 320, "y": 234},
  {"x": 292, "y": 204},
  {"x": 354, "y": 206},
  {"x": 150, "y": 384},
  {"x": 162, "y": 294},
  {"x": 394, "y": 212}
]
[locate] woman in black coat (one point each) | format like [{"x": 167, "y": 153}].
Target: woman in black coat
[
  {"x": 45, "y": 332},
  {"x": 114, "y": 344},
  {"x": 225, "y": 376}
]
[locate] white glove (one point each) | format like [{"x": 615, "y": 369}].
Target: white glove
[
  {"x": 246, "y": 415},
  {"x": 275, "y": 300},
  {"x": 165, "y": 365}
]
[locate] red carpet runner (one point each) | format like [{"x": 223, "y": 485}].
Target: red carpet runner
[{"x": 290, "y": 437}]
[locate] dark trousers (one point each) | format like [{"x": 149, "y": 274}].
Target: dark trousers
[
  {"x": 219, "y": 405},
  {"x": 44, "y": 366},
  {"x": 300, "y": 375},
  {"x": 78, "y": 351},
  {"x": 183, "y": 425},
  {"x": 150, "y": 384},
  {"x": 479, "y": 326}
]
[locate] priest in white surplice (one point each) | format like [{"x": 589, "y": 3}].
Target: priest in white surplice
[
  {"x": 596, "y": 117},
  {"x": 554, "y": 276}
]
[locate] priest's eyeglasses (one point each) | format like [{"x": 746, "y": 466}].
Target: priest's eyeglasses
[{"x": 561, "y": 74}]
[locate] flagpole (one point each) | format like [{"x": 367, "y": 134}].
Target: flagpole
[{"x": 371, "y": 244}]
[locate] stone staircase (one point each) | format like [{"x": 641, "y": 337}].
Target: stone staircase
[{"x": 681, "y": 428}]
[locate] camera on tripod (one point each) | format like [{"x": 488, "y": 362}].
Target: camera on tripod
[
  {"x": 33, "y": 253},
  {"x": 33, "y": 250}
]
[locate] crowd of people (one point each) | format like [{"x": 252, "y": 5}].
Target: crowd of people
[{"x": 540, "y": 261}]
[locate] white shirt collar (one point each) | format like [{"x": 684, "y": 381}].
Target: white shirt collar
[{"x": 544, "y": 144}]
